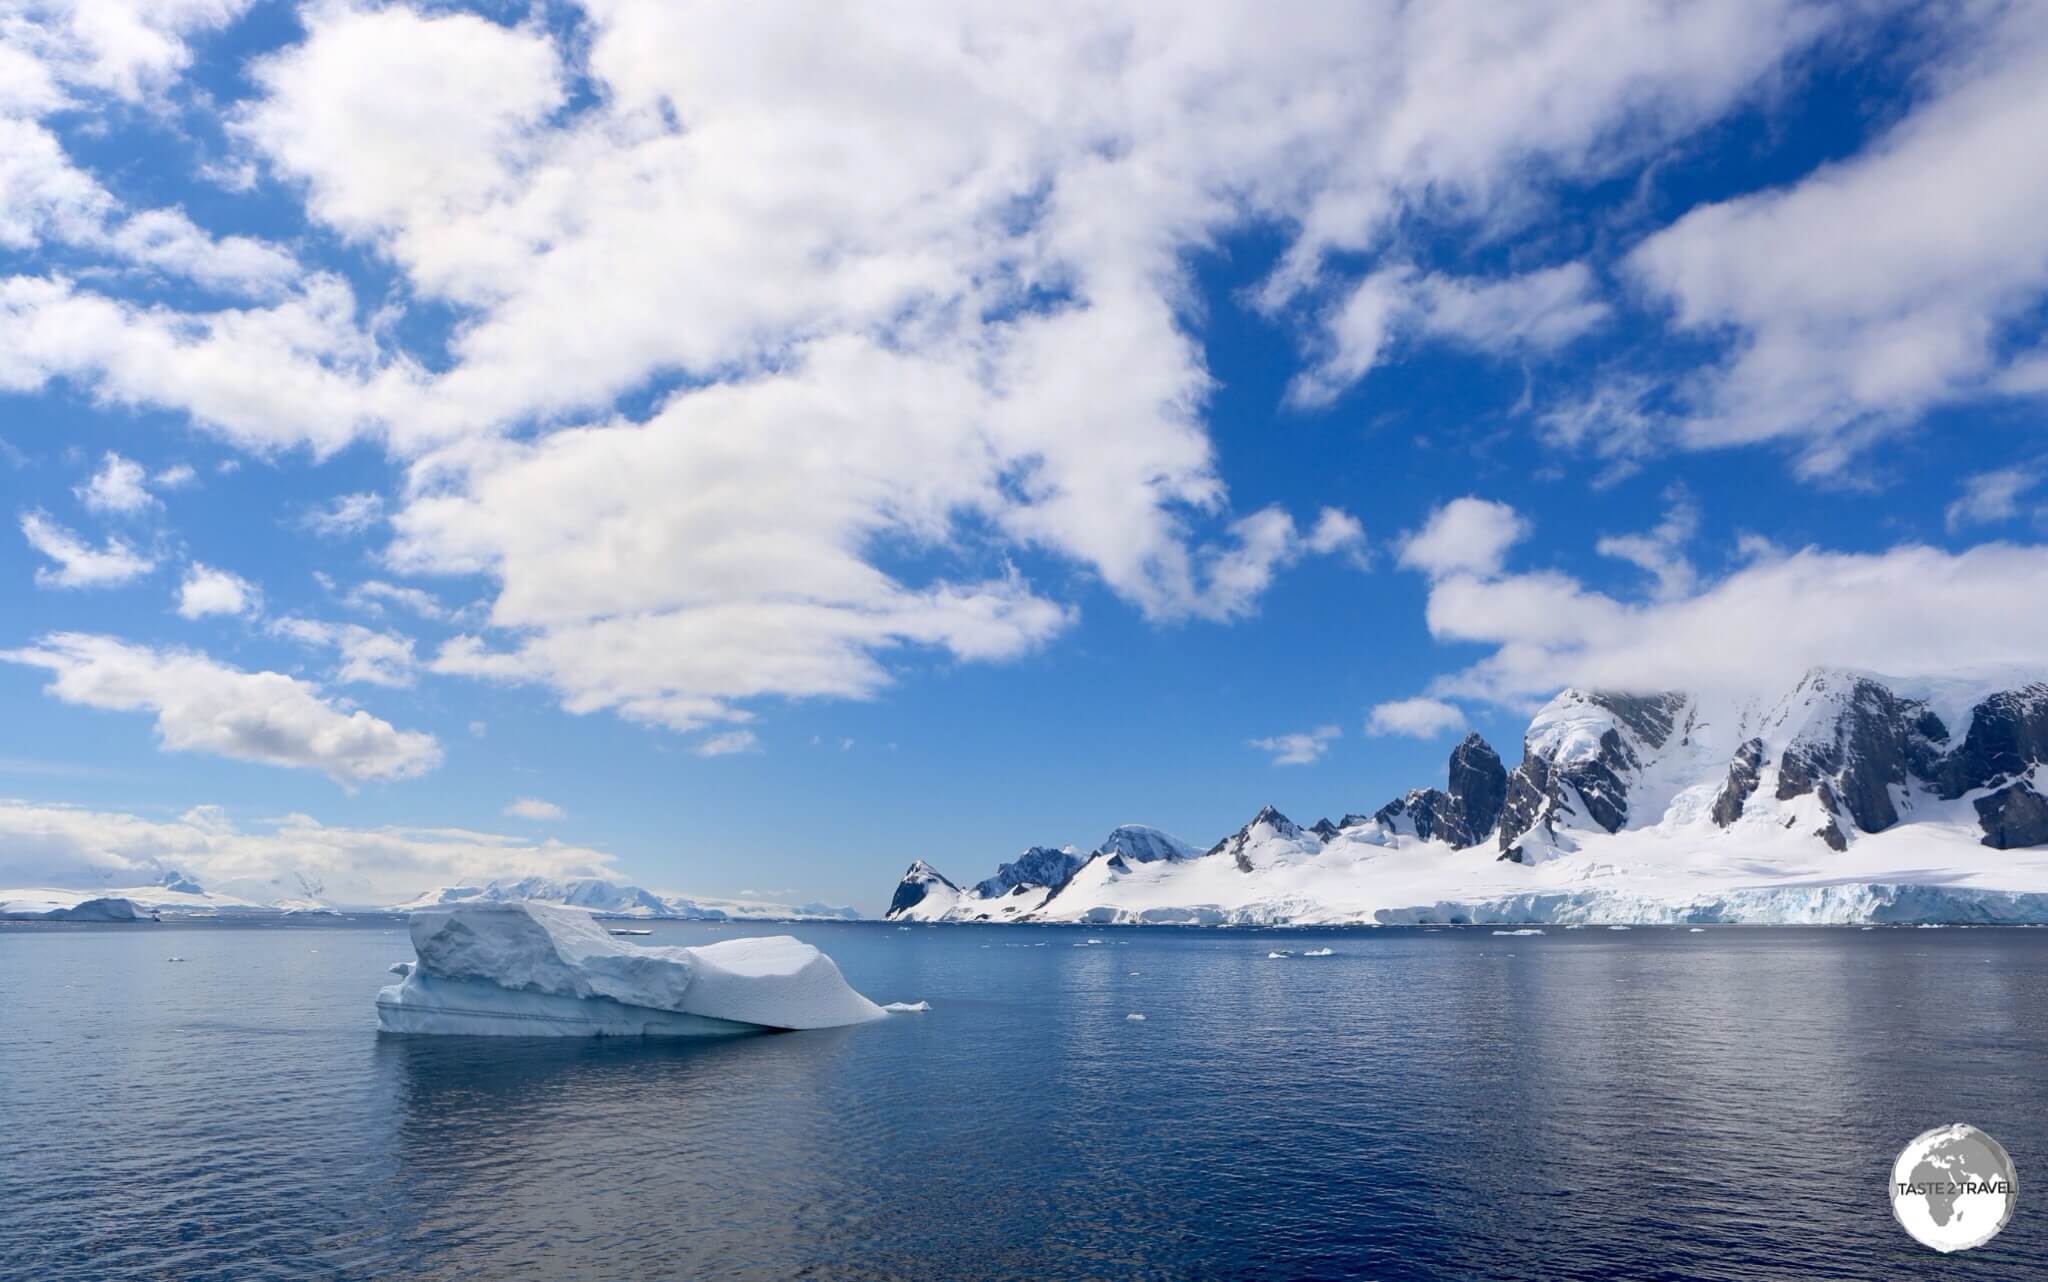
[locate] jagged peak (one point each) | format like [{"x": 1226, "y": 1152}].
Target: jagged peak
[{"x": 1271, "y": 816}]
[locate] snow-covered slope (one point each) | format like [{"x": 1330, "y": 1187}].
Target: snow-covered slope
[
  {"x": 67, "y": 905},
  {"x": 1848, "y": 798},
  {"x": 607, "y": 898}
]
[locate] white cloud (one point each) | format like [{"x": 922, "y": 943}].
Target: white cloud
[
  {"x": 1660, "y": 551},
  {"x": 69, "y": 846},
  {"x": 1419, "y": 718},
  {"x": 372, "y": 595},
  {"x": 535, "y": 809},
  {"x": 1911, "y": 612},
  {"x": 732, "y": 741},
  {"x": 206, "y": 590},
  {"x": 175, "y": 477},
  {"x": 1338, "y": 531},
  {"x": 1540, "y": 311},
  {"x": 917, "y": 301},
  {"x": 79, "y": 564},
  {"x": 296, "y": 372},
  {"x": 204, "y": 706},
  {"x": 119, "y": 486},
  {"x": 1467, "y": 535},
  {"x": 1300, "y": 748},
  {"x": 367, "y": 656},
  {"x": 346, "y": 514},
  {"x": 1881, "y": 285},
  {"x": 1989, "y": 497}
]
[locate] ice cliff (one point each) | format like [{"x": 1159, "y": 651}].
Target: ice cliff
[{"x": 529, "y": 970}]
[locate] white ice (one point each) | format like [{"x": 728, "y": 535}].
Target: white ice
[
  {"x": 908, "y": 1008},
  {"x": 526, "y": 969}
]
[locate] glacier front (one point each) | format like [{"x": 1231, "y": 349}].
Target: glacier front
[{"x": 530, "y": 970}]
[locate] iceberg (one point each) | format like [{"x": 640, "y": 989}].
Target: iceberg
[{"x": 532, "y": 970}]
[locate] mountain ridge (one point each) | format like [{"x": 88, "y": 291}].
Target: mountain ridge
[{"x": 1656, "y": 803}]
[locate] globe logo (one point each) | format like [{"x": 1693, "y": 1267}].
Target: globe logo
[{"x": 1953, "y": 1188}]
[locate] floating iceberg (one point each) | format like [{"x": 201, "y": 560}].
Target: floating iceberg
[
  {"x": 530, "y": 970},
  {"x": 1320, "y": 952},
  {"x": 907, "y": 1008}
]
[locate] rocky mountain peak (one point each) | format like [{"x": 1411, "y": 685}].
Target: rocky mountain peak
[{"x": 918, "y": 882}]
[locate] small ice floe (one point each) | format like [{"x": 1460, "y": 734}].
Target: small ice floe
[
  {"x": 632, "y": 932},
  {"x": 904, "y": 929},
  {"x": 1697, "y": 930},
  {"x": 400, "y": 968},
  {"x": 1526, "y": 930},
  {"x": 1320, "y": 952},
  {"x": 177, "y": 959},
  {"x": 907, "y": 1008},
  {"x": 1278, "y": 953},
  {"x": 1135, "y": 1018},
  {"x": 1134, "y": 974},
  {"x": 1576, "y": 926},
  {"x": 1617, "y": 928}
]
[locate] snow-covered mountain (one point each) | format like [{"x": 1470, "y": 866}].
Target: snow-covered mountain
[
  {"x": 1852, "y": 797},
  {"x": 171, "y": 892},
  {"x": 618, "y": 899}
]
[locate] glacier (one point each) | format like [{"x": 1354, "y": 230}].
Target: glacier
[{"x": 532, "y": 970}]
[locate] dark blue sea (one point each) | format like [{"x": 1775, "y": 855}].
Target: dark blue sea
[{"x": 1422, "y": 1104}]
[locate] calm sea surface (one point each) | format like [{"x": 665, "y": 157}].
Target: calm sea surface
[{"x": 1422, "y": 1104}]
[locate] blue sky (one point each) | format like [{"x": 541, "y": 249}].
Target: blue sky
[{"x": 789, "y": 449}]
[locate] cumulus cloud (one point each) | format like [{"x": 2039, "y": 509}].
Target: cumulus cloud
[
  {"x": 374, "y": 594},
  {"x": 914, "y": 301},
  {"x": 201, "y": 705},
  {"x": 345, "y": 514},
  {"x": 366, "y": 656},
  {"x": 535, "y": 809},
  {"x": 1660, "y": 551},
  {"x": 1300, "y": 748},
  {"x": 1853, "y": 301},
  {"x": 78, "y": 563},
  {"x": 1911, "y": 611},
  {"x": 1467, "y": 535},
  {"x": 1419, "y": 718},
  {"x": 1990, "y": 497},
  {"x": 732, "y": 741},
  {"x": 119, "y": 487},
  {"x": 206, "y": 590},
  {"x": 1539, "y": 311},
  {"x": 70, "y": 846}
]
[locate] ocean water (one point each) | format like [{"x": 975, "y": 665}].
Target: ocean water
[{"x": 1422, "y": 1104}]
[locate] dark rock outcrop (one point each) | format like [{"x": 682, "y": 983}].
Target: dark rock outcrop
[
  {"x": 1743, "y": 774},
  {"x": 2014, "y": 817},
  {"x": 1540, "y": 789},
  {"x": 2008, "y": 736},
  {"x": 1462, "y": 816},
  {"x": 1038, "y": 866},
  {"x": 1875, "y": 742}
]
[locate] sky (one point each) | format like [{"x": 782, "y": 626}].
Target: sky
[{"x": 740, "y": 449}]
